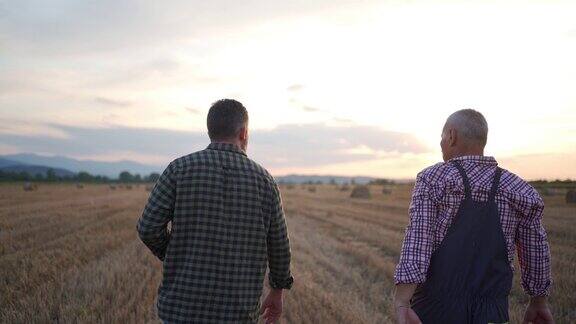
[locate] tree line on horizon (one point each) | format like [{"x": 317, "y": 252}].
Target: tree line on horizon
[
  {"x": 82, "y": 176},
  {"x": 127, "y": 177}
]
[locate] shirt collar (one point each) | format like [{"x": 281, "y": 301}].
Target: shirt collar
[
  {"x": 226, "y": 147},
  {"x": 476, "y": 159}
]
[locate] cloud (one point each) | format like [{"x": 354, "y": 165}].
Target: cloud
[
  {"x": 153, "y": 72},
  {"x": 94, "y": 142},
  {"x": 319, "y": 144},
  {"x": 295, "y": 87},
  {"x": 310, "y": 109},
  {"x": 307, "y": 108},
  {"x": 194, "y": 111},
  {"x": 170, "y": 113},
  {"x": 340, "y": 120},
  {"x": 283, "y": 146},
  {"x": 30, "y": 130},
  {"x": 112, "y": 102},
  {"x": 72, "y": 27},
  {"x": 7, "y": 149}
]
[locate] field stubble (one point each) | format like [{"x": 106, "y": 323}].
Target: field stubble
[{"x": 72, "y": 255}]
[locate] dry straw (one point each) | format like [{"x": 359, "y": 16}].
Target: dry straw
[
  {"x": 571, "y": 196},
  {"x": 361, "y": 192}
]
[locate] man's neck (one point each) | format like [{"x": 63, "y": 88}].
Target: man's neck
[
  {"x": 467, "y": 151},
  {"x": 468, "y": 154},
  {"x": 235, "y": 143}
]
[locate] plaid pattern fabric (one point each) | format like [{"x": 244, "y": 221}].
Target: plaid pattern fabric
[
  {"x": 227, "y": 226},
  {"x": 437, "y": 194}
]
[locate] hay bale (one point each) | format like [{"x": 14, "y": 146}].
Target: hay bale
[
  {"x": 362, "y": 192},
  {"x": 345, "y": 188},
  {"x": 28, "y": 186},
  {"x": 545, "y": 191},
  {"x": 311, "y": 189},
  {"x": 79, "y": 186},
  {"x": 129, "y": 187},
  {"x": 386, "y": 191},
  {"x": 571, "y": 196},
  {"x": 112, "y": 187}
]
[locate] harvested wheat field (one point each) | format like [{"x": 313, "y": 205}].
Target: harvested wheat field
[{"x": 70, "y": 255}]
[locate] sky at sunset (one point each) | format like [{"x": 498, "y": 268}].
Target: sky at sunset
[{"x": 332, "y": 87}]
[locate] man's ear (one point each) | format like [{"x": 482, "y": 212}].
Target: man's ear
[
  {"x": 453, "y": 137},
  {"x": 243, "y": 133}
]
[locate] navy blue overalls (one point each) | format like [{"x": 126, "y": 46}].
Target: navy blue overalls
[{"x": 469, "y": 278}]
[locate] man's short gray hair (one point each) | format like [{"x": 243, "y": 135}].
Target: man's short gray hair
[{"x": 470, "y": 124}]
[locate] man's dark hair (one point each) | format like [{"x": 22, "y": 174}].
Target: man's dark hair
[{"x": 225, "y": 119}]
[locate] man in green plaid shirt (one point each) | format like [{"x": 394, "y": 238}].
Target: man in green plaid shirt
[{"x": 227, "y": 227}]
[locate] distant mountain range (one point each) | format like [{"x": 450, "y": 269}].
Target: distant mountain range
[
  {"x": 68, "y": 165},
  {"x": 8, "y": 163},
  {"x": 11, "y": 166}
]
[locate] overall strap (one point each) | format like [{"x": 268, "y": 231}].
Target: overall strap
[
  {"x": 495, "y": 184},
  {"x": 467, "y": 192}
]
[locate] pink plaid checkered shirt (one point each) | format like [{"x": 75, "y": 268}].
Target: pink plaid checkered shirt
[{"x": 436, "y": 197}]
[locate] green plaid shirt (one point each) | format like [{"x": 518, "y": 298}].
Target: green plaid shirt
[{"x": 227, "y": 226}]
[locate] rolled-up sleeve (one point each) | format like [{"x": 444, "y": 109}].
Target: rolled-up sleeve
[
  {"x": 419, "y": 236},
  {"x": 278, "y": 244},
  {"x": 533, "y": 249},
  {"x": 153, "y": 224}
]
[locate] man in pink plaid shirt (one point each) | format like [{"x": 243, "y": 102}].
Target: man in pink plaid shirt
[{"x": 468, "y": 217}]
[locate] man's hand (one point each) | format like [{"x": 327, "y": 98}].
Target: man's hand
[
  {"x": 272, "y": 306},
  {"x": 406, "y": 315},
  {"x": 538, "y": 312}
]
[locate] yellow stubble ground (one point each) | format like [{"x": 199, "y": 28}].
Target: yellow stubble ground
[{"x": 72, "y": 255}]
